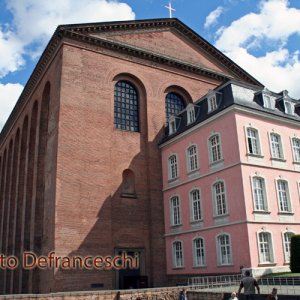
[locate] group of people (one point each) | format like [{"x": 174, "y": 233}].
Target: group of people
[{"x": 248, "y": 283}]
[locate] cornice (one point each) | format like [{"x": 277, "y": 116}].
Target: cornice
[{"x": 80, "y": 32}]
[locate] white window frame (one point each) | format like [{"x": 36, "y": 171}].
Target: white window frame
[
  {"x": 191, "y": 114},
  {"x": 268, "y": 101},
  {"x": 192, "y": 160},
  {"x": 286, "y": 245},
  {"x": 172, "y": 125},
  {"x": 212, "y": 102},
  {"x": 198, "y": 205},
  {"x": 278, "y": 153},
  {"x": 291, "y": 106},
  {"x": 215, "y": 156},
  {"x": 199, "y": 261},
  {"x": 280, "y": 200},
  {"x": 257, "y": 140},
  {"x": 296, "y": 149},
  {"x": 175, "y": 211},
  {"x": 262, "y": 259},
  {"x": 215, "y": 200},
  {"x": 264, "y": 193},
  {"x": 177, "y": 263},
  {"x": 173, "y": 167},
  {"x": 228, "y": 261}
]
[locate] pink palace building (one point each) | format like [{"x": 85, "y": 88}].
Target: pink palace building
[{"x": 231, "y": 182}]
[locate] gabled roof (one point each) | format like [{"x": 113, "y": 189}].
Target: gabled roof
[{"x": 83, "y": 33}]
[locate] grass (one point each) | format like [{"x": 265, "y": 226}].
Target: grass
[{"x": 284, "y": 274}]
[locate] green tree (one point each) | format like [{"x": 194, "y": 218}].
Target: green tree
[{"x": 295, "y": 254}]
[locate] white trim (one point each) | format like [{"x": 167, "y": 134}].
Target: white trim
[
  {"x": 260, "y": 152},
  {"x": 215, "y": 209},
  {"x": 210, "y": 152},
  {"x": 293, "y": 151},
  {"x": 270, "y": 245},
  {"x": 212, "y": 99},
  {"x": 192, "y": 206},
  {"x": 218, "y": 248},
  {"x": 281, "y": 150},
  {"x": 292, "y": 106},
  {"x": 172, "y": 221},
  {"x": 188, "y": 158},
  {"x": 190, "y": 110},
  {"x": 170, "y": 169},
  {"x": 175, "y": 266},
  {"x": 289, "y": 200},
  {"x": 195, "y": 265},
  {"x": 286, "y": 259},
  {"x": 265, "y": 193}
]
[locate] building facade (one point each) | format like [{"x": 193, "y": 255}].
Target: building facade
[
  {"x": 231, "y": 182},
  {"x": 80, "y": 164}
]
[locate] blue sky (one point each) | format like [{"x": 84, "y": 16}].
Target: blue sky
[{"x": 262, "y": 36}]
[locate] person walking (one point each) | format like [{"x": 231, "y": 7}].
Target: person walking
[{"x": 249, "y": 284}]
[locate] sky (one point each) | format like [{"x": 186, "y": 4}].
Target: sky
[{"x": 261, "y": 36}]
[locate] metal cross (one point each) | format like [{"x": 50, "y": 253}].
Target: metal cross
[{"x": 170, "y": 8}]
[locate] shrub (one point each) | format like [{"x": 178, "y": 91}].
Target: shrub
[{"x": 295, "y": 254}]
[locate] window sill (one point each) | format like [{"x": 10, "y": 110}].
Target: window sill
[
  {"x": 170, "y": 180},
  {"x": 176, "y": 226},
  {"x": 278, "y": 159},
  {"x": 196, "y": 222},
  {"x": 196, "y": 171},
  {"x": 125, "y": 195},
  {"x": 255, "y": 155},
  {"x": 178, "y": 268},
  {"x": 200, "y": 267},
  {"x": 217, "y": 162},
  {"x": 262, "y": 212},
  {"x": 296, "y": 163},
  {"x": 227, "y": 265},
  {"x": 286, "y": 213},
  {"x": 221, "y": 216},
  {"x": 267, "y": 264}
]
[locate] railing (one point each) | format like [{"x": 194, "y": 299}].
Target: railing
[
  {"x": 222, "y": 282},
  {"x": 284, "y": 285}
]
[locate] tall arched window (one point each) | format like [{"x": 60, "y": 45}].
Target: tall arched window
[
  {"x": 174, "y": 104},
  {"x": 126, "y": 107}
]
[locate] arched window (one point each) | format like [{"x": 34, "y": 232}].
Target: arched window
[
  {"x": 174, "y": 104},
  {"x": 259, "y": 193},
  {"x": 196, "y": 205},
  {"x": 177, "y": 254},
  {"x": 219, "y": 195},
  {"x": 198, "y": 252},
  {"x": 287, "y": 245},
  {"x": 173, "y": 170},
  {"x": 215, "y": 151},
  {"x": 126, "y": 107},
  {"x": 224, "y": 249},
  {"x": 265, "y": 247},
  {"x": 128, "y": 186},
  {"x": 175, "y": 211},
  {"x": 192, "y": 157}
]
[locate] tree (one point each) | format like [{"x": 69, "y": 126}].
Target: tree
[{"x": 295, "y": 254}]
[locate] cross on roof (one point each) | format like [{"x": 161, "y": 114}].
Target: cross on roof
[{"x": 170, "y": 8}]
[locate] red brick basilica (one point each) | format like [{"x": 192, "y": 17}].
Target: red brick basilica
[{"x": 80, "y": 167}]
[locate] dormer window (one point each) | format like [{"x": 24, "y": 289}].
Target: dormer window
[
  {"x": 288, "y": 106},
  {"x": 191, "y": 117},
  {"x": 172, "y": 125},
  {"x": 212, "y": 102},
  {"x": 267, "y": 99}
]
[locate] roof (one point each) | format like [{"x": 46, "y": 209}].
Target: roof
[
  {"x": 241, "y": 95},
  {"x": 82, "y": 32}
]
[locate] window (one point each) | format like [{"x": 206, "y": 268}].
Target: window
[
  {"x": 265, "y": 247},
  {"x": 288, "y": 108},
  {"x": 287, "y": 245},
  {"x": 177, "y": 254},
  {"x": 175, "y": 211},
  {"x": 219, "y": 198},
  {"x": 215, "y": 148},
  {"x": 172, "y": 125},
  {"x": 198, "y": 252},
  {"x": 173, "y": 170},
  {"x": 267, "y": 102},
  {"x": 276, "y": 146},
  {"x": 212, "y": 103},
  {"x": 126, "y": 107},
  {"x": 283, "y": 196},
  {"x": 174, "y": 104},
  {"x": 224, "y": 249},
  {"x": 192, "y": 158},
  {"x": 191, "y": 117},
  {"x": 259, "y": 193},
  {"x": 253, "y": 141},
  {"x": 296, "y": 149},
  {"x": 196, "y": 205}
]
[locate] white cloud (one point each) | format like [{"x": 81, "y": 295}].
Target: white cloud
[
  {"x": 277, "y": 69},
  {"x": 9, "y": 94},
  {"x": 212, "y": 18},
  {"x": 35, "y": 21}
]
